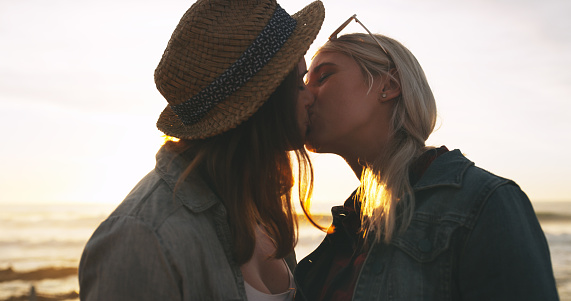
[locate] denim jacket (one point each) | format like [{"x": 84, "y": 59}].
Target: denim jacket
[
  {"x": 163, "y": 243},
  {"x": 473, "y": 236}
]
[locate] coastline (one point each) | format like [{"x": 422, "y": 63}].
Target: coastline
[
  {"x": 548, "y": 217},
  {"x": 9, "y": 274},
  {"x": 309, "y": 238}
]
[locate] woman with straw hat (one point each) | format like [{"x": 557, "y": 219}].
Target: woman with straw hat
[{"x": 214, "y": 219}]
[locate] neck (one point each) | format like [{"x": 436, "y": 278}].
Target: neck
[
  {"x": 359, "y": 159},
  {"x": 355, "y": 165}
]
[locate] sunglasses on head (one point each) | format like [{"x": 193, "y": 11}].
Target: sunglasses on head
[{"x": 333, "y": 36}]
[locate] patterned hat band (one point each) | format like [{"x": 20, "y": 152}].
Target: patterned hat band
[{"x": 258, "y": 54}]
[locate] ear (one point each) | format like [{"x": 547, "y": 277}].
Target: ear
[{"x": 390, "y": 86}]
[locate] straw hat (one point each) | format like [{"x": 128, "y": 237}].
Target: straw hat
[{"x": 224, "y": 60}]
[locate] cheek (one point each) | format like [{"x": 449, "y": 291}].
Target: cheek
[
  {"x": 341, "y": 110},
  {"x": 336, "y": 105}
]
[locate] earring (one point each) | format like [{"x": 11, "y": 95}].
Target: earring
[{"x": 384, "y": 95}]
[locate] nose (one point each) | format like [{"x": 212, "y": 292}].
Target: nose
[
  {"x": 308, "y": 98},
  {"x": 313, "y": 91}
]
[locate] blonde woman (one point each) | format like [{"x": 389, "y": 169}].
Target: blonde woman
[
  {"x": 425, "y": 223},
  {"x": 214, "y": 219}
]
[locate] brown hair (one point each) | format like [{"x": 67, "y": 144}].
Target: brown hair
[{"x": 250, "y": 169}]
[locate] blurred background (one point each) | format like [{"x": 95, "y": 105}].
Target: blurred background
[{"x": 78, "y": 107}]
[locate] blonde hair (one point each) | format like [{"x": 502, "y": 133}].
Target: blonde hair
[{"x": 385, "y": 193}]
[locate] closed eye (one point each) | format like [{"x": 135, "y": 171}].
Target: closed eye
[
  {"x": 320, "y": 73},
  {"x": 323, "y": 77},
  {"x": 317, "y": 81}
]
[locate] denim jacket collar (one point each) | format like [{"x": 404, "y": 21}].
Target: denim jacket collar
[
  {"x": 196, "y": 195},
  {"x": 447, "y": 170}
]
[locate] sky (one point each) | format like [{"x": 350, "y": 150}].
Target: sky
[{"x": 78, "y": 104}]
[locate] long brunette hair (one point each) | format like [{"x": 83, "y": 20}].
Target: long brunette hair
[{"x": 250, "y": 169}]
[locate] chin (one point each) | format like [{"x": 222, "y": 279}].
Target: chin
[
  {"x": 314, "y": 145},
  {"x": 310, "y": 145}
]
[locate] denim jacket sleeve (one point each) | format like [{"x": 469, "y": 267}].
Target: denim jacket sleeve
[
  {"x": 506, "y": 256},
  {"x": 115, "y": 266}
]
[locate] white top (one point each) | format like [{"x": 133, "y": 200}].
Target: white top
[{"x": 255, "y": 295}]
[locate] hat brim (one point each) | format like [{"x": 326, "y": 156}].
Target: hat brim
[{"x": 243, "y": 103}]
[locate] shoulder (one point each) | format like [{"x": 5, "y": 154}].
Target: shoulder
[
  {"x": 154, "y": 212},
  {"x": 455, "y": 189},
  {"x": 452, "y": 170},
  {"x": 490, "y": 191},
  {"x": 160, "y": 197},
  {"x": 457, "y": 198}
]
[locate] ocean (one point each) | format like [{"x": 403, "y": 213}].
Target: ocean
[{"x": 40, "y": 246}]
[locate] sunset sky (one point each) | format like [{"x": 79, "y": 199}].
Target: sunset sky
[{"x": 78, "y": 104}]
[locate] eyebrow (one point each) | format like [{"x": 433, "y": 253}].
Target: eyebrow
[{"x": 323, "y": 64}]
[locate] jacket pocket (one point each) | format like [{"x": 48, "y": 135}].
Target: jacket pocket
[{"x": 426, "y": 238}]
